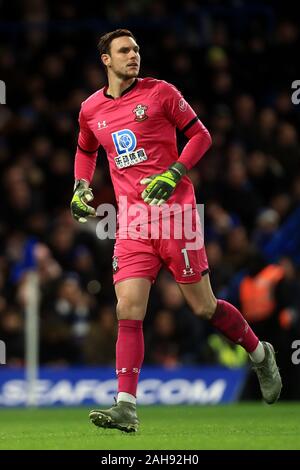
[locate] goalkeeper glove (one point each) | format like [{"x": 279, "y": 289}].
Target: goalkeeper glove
[
  {"x": 79, "y": 208},
  {"x": 160, "y": 187}
]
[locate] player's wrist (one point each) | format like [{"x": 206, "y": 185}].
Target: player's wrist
[
  {"x": 178, "y": 170},
  {"x": 81, "y": 184}
]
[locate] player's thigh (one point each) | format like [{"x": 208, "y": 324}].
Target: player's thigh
[
  {"x": 135, "y": 268},
  {"x": 200, "y": 297},
  {"x": 135, "y": 259},
  {"x": 132, "y": 295}
]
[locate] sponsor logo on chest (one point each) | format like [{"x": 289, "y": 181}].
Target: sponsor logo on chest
[{"x": 125, "y": 142}]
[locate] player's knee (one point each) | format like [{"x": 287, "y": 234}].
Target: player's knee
[
  {"x": 128, "y": 309},
  {"x": 205, "y": 311}
]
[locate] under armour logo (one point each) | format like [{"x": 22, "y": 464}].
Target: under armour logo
[
  {"x": 101, "y": 125},
  {"x": 188, "y": 271},
  {"x": 135, "y": 370}
]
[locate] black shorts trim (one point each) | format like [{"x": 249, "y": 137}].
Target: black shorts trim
[{"x": 206, "y": 271}]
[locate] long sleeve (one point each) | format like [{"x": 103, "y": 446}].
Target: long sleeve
[
  {"x": 182, "y": 115},
  {"x": 198, "y": 144},
  {"x": 86, "y": 154}
]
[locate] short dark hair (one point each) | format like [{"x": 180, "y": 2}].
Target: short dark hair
[{"x": 105, "y": 40}]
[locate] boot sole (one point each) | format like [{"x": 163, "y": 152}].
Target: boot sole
[{"x": 103, "y": 421}]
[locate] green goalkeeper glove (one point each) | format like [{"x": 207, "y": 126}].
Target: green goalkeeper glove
[
  {"x": 79, "y": 208},
  {"x": 160, "y": 187}
]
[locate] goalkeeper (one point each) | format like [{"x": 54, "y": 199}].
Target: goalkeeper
[{"x": 135, "y": 121}]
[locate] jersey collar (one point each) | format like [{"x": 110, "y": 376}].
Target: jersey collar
[{"x": 123, "y": 92}]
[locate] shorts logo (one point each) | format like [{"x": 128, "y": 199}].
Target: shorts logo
[
  {"x": 140, "y": 112},
  {"x": 125, "y": 143},
  {"x": 115, "y": 264},
  {"x": 182, "y": 105},
  {"x": 188, "y": 272}
]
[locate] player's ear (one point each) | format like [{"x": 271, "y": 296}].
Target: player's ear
[{"x": 105, "y": 59}]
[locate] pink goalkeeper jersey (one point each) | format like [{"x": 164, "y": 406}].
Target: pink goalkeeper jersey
[{"x": 138, "y": 134}]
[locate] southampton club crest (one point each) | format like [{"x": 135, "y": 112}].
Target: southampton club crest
[{"x": 140, "y": 112}]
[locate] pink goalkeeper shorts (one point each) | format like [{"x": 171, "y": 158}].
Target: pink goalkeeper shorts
[{"x": 183, "y": 254}]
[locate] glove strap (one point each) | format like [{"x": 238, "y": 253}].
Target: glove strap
[
  {"x": 80, "y": 184},
  {"x": 178, "y": 170}
]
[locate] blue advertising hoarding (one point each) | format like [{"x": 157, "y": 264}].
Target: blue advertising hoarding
[{"x": 95, "y": 386}]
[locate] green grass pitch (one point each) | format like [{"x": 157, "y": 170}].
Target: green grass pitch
[{"x": 239, "y": 426}]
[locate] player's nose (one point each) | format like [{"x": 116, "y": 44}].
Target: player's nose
[{"x": 133, "y": 55}]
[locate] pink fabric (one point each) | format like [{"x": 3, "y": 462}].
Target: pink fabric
[
  {"x": 86, "y": 154},
  {"x": 232, "y": 324},
  {"x": 199, "y": 142},
  {"x": 138, "y": 134},
  {"x": 129, "y": 355},
  {"x": 85, "y": 165},
  {"x": 184, "y": 256}
]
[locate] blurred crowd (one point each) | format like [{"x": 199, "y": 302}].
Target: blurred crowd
[{"x": 235, "y": 64}]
